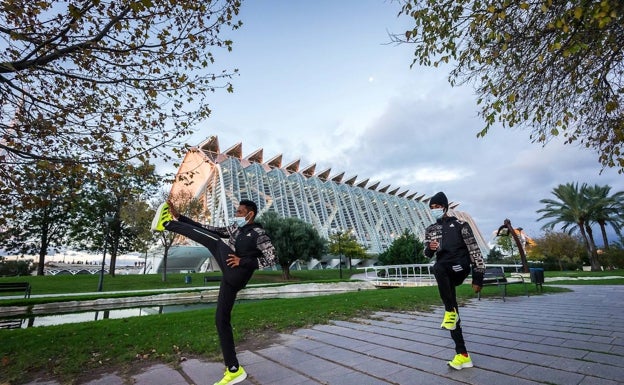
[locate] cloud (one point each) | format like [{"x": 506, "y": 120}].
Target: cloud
[{"x": 407, "y": 127}]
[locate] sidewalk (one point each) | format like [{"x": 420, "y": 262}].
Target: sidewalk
[{"x": 572, "y": 338}]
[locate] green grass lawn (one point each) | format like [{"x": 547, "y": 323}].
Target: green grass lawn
[
  {"x": 66, "y": 351},
  {"x": 85, "y": 286}
]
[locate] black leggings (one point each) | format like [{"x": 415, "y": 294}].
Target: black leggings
[
  {"x": 234, "y": 279},
  {"x": 449, "y": 276}
]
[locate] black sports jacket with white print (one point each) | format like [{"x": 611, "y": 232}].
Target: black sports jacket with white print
[
  {"x": 251, "y": 243},
  {"x": 458, "y": 245}
]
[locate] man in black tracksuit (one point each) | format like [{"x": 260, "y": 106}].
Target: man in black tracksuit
[
  {"x": 455, "y": 247},
  {"x": 247, "y": 248}
]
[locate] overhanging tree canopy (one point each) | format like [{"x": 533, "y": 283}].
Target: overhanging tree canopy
[
  {"x": 555, "y": 67},
  {"x": 106, "y": 80}
]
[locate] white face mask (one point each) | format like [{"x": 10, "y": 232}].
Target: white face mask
[{"x": 437, "y": 213}]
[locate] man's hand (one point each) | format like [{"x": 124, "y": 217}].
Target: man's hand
[
  {"x": 476, "y": 288},
  {"x": 233, "y": 260}
]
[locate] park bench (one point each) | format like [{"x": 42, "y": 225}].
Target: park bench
[
  {"x": 7, "y": 287},
  {"x": 495, "y": 276},
  {"x": 212, "y": 278},
  {"x": 11, "y": 324}
]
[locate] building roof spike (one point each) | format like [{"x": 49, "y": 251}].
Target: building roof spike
[
  {"x": 309, "y": 171},
  {"x": 363, "y": 183},
  {"x": 211, "y": 144},
  {"x": 338, "y": 178},
  {"x": 236, "y": 151},
  {"x": 256, "y": 156},
  {"x": 275, "y": 162},
  {"x": 351, "y": 180},
  {"x": 293, "y": 166},
  {"x": 324, "y": 175}
]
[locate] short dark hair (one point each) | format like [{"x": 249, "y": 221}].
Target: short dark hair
[{"x": 251, "y": 206}]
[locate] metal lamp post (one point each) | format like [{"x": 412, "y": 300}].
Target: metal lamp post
[{"x": 107, "y": 219}]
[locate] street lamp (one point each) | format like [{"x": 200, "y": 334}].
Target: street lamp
[{"x": 107, "y": 219}]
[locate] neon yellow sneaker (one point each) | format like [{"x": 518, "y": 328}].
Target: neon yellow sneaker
[
  {"x": 450, "y": 320},
  {"x": 460, "y": 361},
  {"x": 230, "y": 378},
  {"x": 162, "y": 216}
]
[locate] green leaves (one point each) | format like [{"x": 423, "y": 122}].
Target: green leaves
[
  {"x": 102, "y": 73},
  {"x": 552, "y": 67}
]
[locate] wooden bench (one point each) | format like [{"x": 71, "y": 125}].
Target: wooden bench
[
  {"x": 7, "y": 287},
  {"x": 495, "y": 276}
]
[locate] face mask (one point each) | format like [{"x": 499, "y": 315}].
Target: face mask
[
  {"x": 437, "y": 213},
  {"x": 239, "y": 221}
]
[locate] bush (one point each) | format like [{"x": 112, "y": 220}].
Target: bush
[
  {"x": 612, "y": 259},
  {"x": 15, "y": 268}
]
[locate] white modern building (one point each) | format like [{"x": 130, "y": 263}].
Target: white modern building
[{"x": 374, "y": 213}]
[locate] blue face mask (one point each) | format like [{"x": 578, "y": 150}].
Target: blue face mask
[
  {"x": 437, "y": 213},
  {"x": 239, "y": 221}
]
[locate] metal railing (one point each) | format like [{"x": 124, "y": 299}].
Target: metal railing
[
  {"x": 400, "y": 275},
  {"x": 410, "y": 275}
]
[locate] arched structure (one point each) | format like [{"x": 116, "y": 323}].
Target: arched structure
[{"x": 220, "y": 179}]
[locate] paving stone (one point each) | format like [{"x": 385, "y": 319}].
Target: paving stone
[
  {"x": 201, "y": 372},
  {"x": 109, "y": 379},
  {"x": 160, "y": 375}
]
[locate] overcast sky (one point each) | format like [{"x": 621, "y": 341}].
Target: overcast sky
[{"x": 320, "y": 82}]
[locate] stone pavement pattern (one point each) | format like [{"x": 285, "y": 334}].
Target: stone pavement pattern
[{"x": 574, "y": 338}]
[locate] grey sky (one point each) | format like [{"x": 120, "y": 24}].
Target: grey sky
[{"x": 318, "y": 82}]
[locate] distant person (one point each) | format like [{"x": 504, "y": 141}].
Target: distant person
[
  {"x": 455, "y": 248},
  {"x": 246, "y": 249}
]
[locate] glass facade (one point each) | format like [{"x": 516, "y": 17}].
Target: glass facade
[{"x": 374, "y": 216}]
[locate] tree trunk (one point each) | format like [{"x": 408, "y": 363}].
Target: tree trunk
[
  {"x": 286, "y": 271},
  {"x": 591, "y": 248},
  {"x": 164, "y": 264},
  {"x": 113, "y": 255},
  {"x": 42, "y": 254},
  {"x": 43, "y": 250},
  {"x": 603, "y": 230},
  {"x": 114, "y": 246}
]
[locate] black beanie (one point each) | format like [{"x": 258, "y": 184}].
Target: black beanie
[{"x": 439, "y": 199}]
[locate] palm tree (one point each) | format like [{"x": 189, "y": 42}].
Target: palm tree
[
  {"x": 606, "y": 209},
  {"x": 572, "y": 211}
]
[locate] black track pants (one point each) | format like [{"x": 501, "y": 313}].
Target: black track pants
[
  {"x": 234, "y": 279},
  {"x": 449, "y": 276}
]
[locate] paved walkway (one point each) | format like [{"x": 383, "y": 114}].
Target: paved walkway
[{"x": 572, "y": 338}]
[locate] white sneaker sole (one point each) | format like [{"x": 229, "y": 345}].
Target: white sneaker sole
[
  {"x": 238, "y": 379},
  {"x": 462, "y": 366}
]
